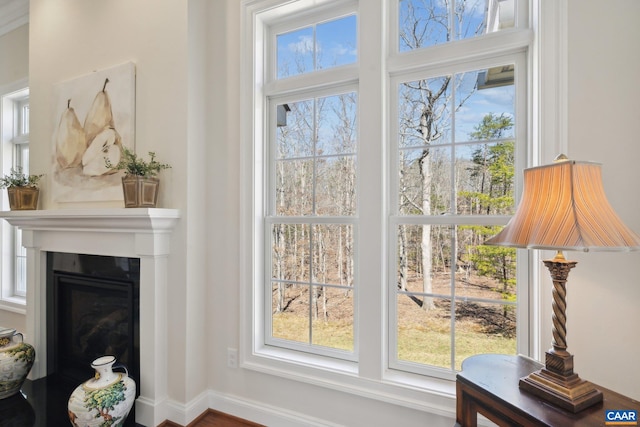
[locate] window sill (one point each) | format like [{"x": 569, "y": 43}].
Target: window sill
[
  {"x": 14, "y": 304},
  {"x": 417, "y": 392}
]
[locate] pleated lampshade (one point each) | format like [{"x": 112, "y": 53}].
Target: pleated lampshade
[{"x": 564, "y": 206}]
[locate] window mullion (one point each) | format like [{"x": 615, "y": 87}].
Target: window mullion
[{"x": 372, "y": 247}]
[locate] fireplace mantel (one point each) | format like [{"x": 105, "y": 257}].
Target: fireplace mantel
[
  {"x": 136, "y": 233},
  {"x": 107, "y": 220}
]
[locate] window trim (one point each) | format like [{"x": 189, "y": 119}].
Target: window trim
[
  {"x": 12, "y": 97},
  {"x": 372, "y": 379},
  {"x": 519, "y": 59}
]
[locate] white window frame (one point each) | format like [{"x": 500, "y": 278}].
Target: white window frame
[
  {"x": 523, "y": 258},
  {"x": 371, "y": 376},
  {"x": 14, "y": 152}
]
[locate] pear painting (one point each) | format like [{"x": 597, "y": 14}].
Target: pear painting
[
  {"x": 97, "y": 121},
  {"x": 70, "y": 139}
]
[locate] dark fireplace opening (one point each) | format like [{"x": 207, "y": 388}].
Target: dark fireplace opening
[{"x": 93, "y": 306}]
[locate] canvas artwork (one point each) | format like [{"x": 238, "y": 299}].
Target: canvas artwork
[{"x": 94, "y": 119}]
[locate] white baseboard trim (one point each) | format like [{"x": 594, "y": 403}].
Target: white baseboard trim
[
  {"x": 249, "y": 410},
  {"x": 182, "y": 413},
  {"x": 263, "y": 414},
  {"x": 150, "y": 414}
]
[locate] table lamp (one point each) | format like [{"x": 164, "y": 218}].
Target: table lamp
[{"x": 564, "y": 207}]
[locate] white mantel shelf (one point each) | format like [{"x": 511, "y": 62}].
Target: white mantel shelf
[{"x": 106, "y": 220}]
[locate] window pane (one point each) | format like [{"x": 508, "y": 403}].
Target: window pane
[
  {"x": 424, "y": 336},
  {"x": 484, "y": 328},
  {"x": 317, "y": 137},
  {"x": 481, "y": 181},
  {"x": 485, "y": 184},
  {"x": 425, "y": 181},
  {"x": 333, "y": 254},
  {"x": 479, "y": 273},
  {"x": 424, "y": 112},
  {"x": 336, "y": 124},
  {"x": 24, "y": 120},
  {"x": 325, "y": 45},
  {"x": 424, "y": 23},
  {"x": 290, "y": 252},
  {"x": 324, "y": 258},
  {"x": 335, "y": 190},
  {"x": 485, "y": 104},
  {"x": 332, "y": 315},
  {"x": 336, "y": 42},
  {"x": 295, "y": 53},
  {"x": 294, "y": 191},
  {"x": 487, "y": 272},
  {"x": 295, "y": 130},
  {"x": 290, "y": 312}
]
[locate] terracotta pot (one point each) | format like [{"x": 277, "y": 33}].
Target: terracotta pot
[
  {"x": 140, "y": 192},
  {"x": 105, "y": 399},
  {"x": 23, "y": 198}
]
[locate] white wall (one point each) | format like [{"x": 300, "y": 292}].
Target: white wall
[
  {"x": 188, "y": 89},
  {"x": 14, "y": 47},
  {"x": 604, "y": 125}
]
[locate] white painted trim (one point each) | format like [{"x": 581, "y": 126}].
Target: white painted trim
[
  {"x": 185, "y": 413},
  {"x": 549, "y": 131},
  {"x": 135, "y": 233},
  {"x": 263, "y": 414}
]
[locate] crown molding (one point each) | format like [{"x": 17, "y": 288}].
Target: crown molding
[{"x": 13, "y": 14}]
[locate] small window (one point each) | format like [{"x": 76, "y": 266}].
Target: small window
[
  {"x": 317, "y": 47},
  {"x": 15, "y": 148},
  {"x": 425, "y": 23}
]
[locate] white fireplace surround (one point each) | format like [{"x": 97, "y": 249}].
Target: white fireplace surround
[{"x": 133, "y": 233}]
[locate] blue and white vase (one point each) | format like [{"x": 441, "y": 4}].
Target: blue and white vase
[
  {"x": 105, "y": 399},
  {"x": 16, "y": 360}
]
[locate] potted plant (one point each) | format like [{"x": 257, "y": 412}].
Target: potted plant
[
  {"x": 139, "y": 184},
  {"x": 22, "y": 189}
]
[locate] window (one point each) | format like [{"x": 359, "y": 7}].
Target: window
[
  {"x": 15, "y": 154},
  {"x": 384, "y": 151}
]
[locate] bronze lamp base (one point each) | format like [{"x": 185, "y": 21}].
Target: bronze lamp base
[
  {"x": 564, "y": 389},
  {"x": 556, "y": 382}
]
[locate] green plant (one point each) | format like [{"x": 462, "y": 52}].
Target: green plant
[
  {"x": 133, "y": 165},
  {"x": 19, "y": 179}
]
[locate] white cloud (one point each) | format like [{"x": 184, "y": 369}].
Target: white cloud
[{"x": 303, "y": 45}]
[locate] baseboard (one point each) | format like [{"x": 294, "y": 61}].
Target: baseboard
[
  {"x": 184, "y": 414},
  {"x": 263, "y": 414}
]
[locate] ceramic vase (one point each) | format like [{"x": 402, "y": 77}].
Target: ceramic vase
[
  {"x": 105, "y": 399},
  {"x": 16, "y": 360}
]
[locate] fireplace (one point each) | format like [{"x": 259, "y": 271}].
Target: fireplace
[
  {"x": 137, "y": 235},
  {"x": 93, "y": 309}
]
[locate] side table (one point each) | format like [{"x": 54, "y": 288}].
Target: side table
[{"x": 488, "y": 384}]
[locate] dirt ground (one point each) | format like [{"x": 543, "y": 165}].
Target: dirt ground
[{"x": 489, "y": 318}]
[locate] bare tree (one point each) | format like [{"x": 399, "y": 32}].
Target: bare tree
[{"x": 426, "y": 103}]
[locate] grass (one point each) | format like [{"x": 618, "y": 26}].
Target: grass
[
  {"x": 427, "y": 342},
  {"x": 334, "y": 334}
]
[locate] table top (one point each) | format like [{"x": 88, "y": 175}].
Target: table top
[{"x": 499, "y": 375}]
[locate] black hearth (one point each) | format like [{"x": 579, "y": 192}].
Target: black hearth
[{"x": 93, "y": 306}]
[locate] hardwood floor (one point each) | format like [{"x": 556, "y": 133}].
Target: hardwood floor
[{"x": 213, "y": 418}]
